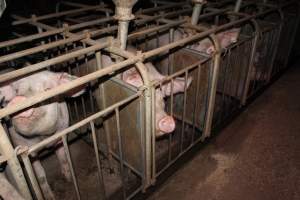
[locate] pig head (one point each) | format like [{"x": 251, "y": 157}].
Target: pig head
[
  {"x": 39, "y": 120},
  {"x": 32, "y": 125},
  {"x": 164, "y": 123},
  {"x": 225, "y": 38}
]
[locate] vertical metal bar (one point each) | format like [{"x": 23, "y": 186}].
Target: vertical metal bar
[
  {"x": 102, "y": 94},
  {"x": 120, "y": 147},
  {"x": 122, "y": 33},
  {"x": 7, "y": 150},
  {"x": 196, "y": 12},
  {"x": 153, "y": 111},
  {"x": 32, "y": 177},
  {"x": 251, "y": 67},
  {"x": 67, "y": 152},
  {"x": 184, "y": 111},
  {"x": 212, "y": 90},
  {"x": 172, "y": 113},
  {"x": 100, "y": 174},
  {"x": 171, "y": 55},
  {"x": 142, "y": 139},
  {"x": 196, "y": 104}
]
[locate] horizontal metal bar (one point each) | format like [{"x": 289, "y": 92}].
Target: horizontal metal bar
[
  {"x": 35, "y": 67},
  {"x": 65, "y": 87},
  {"x": 155, "y": 29},
  {"x": 80, "y": 5},
  {"x": 159, "y": 8},
  {"x": 30, "y": 37},
  {"x": 56, "y": 136},
  {"x": 180, "y": 72},
  {"x": 54, "y": 15},
  {"x": 37, "y": 49}
]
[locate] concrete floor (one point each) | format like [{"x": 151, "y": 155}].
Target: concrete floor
[{"x": 257, "y": 157}]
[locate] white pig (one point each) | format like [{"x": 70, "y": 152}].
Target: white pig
[
  {"x": 226, "y": 38},
  {"x": 32, "y": 125},
  {"x": 164, "y": 122}
]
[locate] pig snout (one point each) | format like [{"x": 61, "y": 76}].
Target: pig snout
[
  {"x": 166, "y": 124},
  {"x": 25, "y": 114}
]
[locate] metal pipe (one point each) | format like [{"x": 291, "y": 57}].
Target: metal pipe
[
  {"x": 123, "y": 13},
  {"x": 238, "y": 5},
  {"x": 7, "y": 150},
  {"x": 55, "y": 15},
  {"x": 197, "y": 10}
]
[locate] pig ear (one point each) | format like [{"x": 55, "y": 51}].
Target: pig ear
[
  {"x": 63, "y": 78},
  {"x": 210, "y": 50},
  {"x": 132, "y": 78},
  {"x": 179, "y": 85},
  {"x": 7, "y": 93}
]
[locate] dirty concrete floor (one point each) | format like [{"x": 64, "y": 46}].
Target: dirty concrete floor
[{"x": 257, "y": 157}]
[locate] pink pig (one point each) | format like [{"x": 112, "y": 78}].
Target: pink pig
[
  {"x": 32, "y": 125},
  {"x": 164, "y": 122},
  {"x": 205, "y": 45}
]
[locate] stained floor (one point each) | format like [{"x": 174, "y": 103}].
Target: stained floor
[{"x": 257, "y": 157}]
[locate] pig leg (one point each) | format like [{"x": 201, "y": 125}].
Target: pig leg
[
  {"x": 63, "y": 161},
  {"x": 42, "y": 179}
]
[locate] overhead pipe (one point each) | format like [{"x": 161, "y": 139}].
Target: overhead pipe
[
  {"x": 198, "y": 7},
  {"x": 123, "y": 13}
]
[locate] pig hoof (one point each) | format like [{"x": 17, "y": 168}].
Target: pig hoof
[{"x": 166, "y": 124}]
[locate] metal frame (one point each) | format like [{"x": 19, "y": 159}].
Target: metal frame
[{"x": 117, "y": 48}]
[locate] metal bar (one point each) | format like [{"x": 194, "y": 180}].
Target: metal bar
[
  {"x": 55, "y": 15},
  {"x": 100, "y": 175},
  {"x": 172, "y": 114},
  {"x": 102, "y": 94},
  {"x": 196, "y": 102},
  {"x": 184, "y": 111},
  {"x": 30, "y": 38},
  {"x": 37, "y": 49},
  {"x": 196, "y": 12},
  {"x": 120, "y": 147},
  {"x": 40, "y": 145},
  {"x": 7, "y": 150},
  {"x": 155, "y": 9},
  {"x": 32, "y": 177},
  {"x": 67, "y": 152},
  {"x": 53, "y": 61}
]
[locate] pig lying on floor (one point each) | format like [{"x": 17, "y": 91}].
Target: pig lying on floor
[{"x": 32, "y": 125}]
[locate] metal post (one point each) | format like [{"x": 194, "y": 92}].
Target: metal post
[
  {"x": 197, "y": 10},
  {"x": 7, "y": 150},
  {"x": 213, "y": 82},
  {"x": 124, "y": 15}
]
